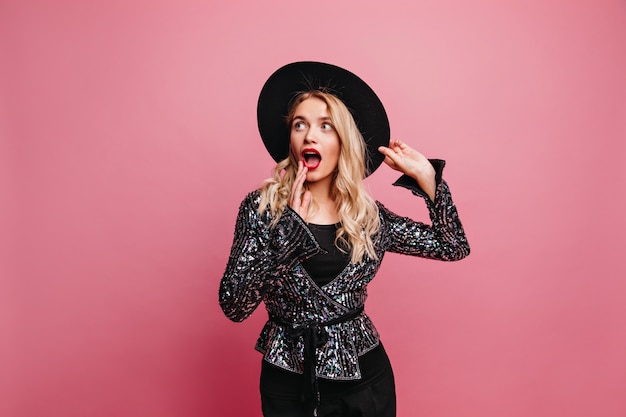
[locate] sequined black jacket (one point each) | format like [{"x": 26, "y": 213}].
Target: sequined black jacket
[{"x": 265, "y": 265}]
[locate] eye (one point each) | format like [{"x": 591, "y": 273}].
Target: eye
[
  {"x": 327, "y": 126},
  {"x": 298, "y": 125}
]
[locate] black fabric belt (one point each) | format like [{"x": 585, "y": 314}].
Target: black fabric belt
[{"x": 314, "y": 336}]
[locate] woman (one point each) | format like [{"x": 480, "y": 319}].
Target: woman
[{"x": 311, "y": 239}]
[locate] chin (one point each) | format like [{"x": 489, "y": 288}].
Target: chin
[{"x": 315, "y": 177}]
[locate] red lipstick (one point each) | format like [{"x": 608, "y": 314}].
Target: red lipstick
[{"x": 311, "y": 157}]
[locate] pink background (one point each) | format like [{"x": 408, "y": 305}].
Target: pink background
[{"x": 129, "y": 138}]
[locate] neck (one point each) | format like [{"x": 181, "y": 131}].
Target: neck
[
  {"x": 320, "y": 191},
  {"x": 326, "y": 212}
]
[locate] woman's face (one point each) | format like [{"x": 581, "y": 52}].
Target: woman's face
[{"x": 314, "y": 139}]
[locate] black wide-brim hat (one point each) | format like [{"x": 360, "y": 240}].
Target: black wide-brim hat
[{"x": 293, "y": 79}]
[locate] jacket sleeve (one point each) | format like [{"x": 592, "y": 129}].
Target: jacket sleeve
[
  {"x": 444, "y": 239},
  {"x": 259, "y": 254}
]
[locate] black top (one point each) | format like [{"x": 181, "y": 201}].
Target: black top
[{"x": 325, "y": 267}]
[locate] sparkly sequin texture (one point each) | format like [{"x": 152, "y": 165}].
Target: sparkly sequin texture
[{"x": 265, "y": 265}]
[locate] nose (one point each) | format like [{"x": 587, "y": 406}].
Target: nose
[{"x": 310, "y": 136}]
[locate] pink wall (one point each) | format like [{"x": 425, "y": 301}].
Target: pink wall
[{"x": 128, "y": 138}]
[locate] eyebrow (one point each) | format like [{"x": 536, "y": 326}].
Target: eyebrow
[{"x": 323, "y": 119}]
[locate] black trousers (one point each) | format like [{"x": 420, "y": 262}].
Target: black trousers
[{"x": 372, "y": 396}]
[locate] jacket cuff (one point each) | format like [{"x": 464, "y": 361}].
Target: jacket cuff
[{"x": 409, "y": 183}]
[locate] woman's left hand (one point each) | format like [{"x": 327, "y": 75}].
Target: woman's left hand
[{"x": 403, "y": 158}]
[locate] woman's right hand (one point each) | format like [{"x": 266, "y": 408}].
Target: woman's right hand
[{"x": 298, "y": 201}]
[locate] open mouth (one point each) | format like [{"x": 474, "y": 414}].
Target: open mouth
[{"x": 311, "y": 158}]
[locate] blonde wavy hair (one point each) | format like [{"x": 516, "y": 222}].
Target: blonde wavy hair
[{"x": 358, "y": 212}]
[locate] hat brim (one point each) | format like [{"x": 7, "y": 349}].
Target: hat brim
[{"x": 298, "y": 77}]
